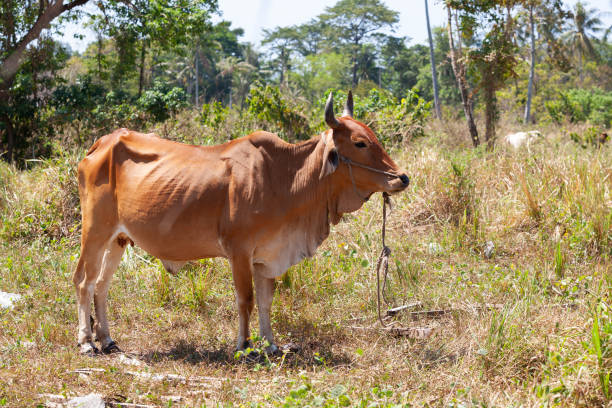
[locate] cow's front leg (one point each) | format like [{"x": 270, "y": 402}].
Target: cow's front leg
[
  {"x": 264, "y": 290},
  {"x": 243, "y": 283}
]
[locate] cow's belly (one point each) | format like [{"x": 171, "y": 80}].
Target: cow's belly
[
  {"x": 175, "y": 231},
  {"x": 284, "y": 250},
  {"x": 178, "y": 247},
  {"x": 172, "y": 216}
]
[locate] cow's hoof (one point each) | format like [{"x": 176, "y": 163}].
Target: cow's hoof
[
  {"x": 88, "y": 349},
  {"x": 245, "y": 345},
  {"x": 272, "y": 350},
  {"x": 291, "y": 348},
  {"x": 111, "y": 348}
]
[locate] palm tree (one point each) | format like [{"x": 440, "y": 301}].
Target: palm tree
[
  {"x": 527, "y": 115},
  {"x": 579, "y": 36},
  {"x": 242, "y": 75},
  {"x": 434, "y": 77}
]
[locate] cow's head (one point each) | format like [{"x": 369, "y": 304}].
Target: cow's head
[{"x": 352, "y": 147}]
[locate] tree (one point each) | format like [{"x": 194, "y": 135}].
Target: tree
[
  {"x": 432, "y": 61},
  {"x": 282, "y": 43},
  {"x": 402, "y": 65},
  {"x": 241, "y": 74},
  {"x": 165, "y": 23},
  {"x": 527, "y": 114},
  {"x": 145, "y": 23},
  {"x": 21, "y": 23},
  {"x": 580, "y": 36},
  {"x": 310, "y": 37},
  {"x": 487, "y": 27},
  {"x": 546, "y": 17},
  {"x": 354, "y": 23},
  {"x": 459, "y": 69}
]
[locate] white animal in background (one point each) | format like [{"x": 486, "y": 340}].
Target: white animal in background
[{"x": 517, "y": 140}]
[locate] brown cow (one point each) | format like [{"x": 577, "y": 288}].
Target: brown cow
[{"x": 258, "y": 201}]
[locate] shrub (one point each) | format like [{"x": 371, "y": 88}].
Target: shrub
[
  {"x": 161, "y": 102},
  {"x": 277, "y": 113},
  {"x": 581, "y": 105},
  {"x": 213, "y": 114}
]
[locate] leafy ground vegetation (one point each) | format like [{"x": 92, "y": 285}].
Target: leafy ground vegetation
[{"x": 531, "y": 325}]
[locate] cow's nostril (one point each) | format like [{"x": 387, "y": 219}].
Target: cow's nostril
[{"x": 404, "y": 179}]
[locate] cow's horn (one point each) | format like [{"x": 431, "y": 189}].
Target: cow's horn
[
  {"x": 330, "y": 118},
  {"x": 348, "y": 107}
]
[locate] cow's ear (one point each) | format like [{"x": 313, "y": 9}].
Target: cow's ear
[{"x": 330, "y": 156}]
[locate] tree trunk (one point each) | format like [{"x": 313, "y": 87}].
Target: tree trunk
[
  {"x": 490, "y": 115},
  {"x": 531, "y": 67},
  {"x": 580, "y": 67},
  {"x": 99, "y": 58},
  {"x": 10, "y": 133},
  {"x": 434, "y": 76},
  {"x": 283, "y": 65},
  {"x": 197, "y": 78},
  {"x": 459, "y": 71},
  {"x": 143, "y": 55},
  {"x": 354, "y": 70}
]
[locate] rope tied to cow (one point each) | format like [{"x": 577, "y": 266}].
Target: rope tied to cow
[
  {"x": 383, "y": 262},
  {"x": 382, "y": 268},
  {"x": 383, "y": 259}
]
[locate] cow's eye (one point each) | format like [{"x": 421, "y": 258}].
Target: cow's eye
[{"x": 360, "y": 145}]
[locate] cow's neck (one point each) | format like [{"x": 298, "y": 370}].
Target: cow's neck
[
  {"x": 326, "y": 199},
  {"x": 308, "y": 205},
  {"x": 303, "y": 164}
]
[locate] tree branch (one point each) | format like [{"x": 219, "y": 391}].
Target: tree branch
[{"x": 9, "y": 67}]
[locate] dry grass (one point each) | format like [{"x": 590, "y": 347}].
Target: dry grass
[{"x": 548, "y": 213}]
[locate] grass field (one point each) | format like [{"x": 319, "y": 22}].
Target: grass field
[{"x": 529, "y": 326}]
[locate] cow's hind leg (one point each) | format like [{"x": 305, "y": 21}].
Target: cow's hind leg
[
  {"x": 84, "y": 280},
  {"x": 112, "y": 257},
  {"x": 243, "y": 283}
]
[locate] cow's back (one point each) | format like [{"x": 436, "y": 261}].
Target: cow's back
[{"x": 165, "y": 196}]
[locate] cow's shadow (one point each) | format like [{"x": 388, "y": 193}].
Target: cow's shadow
[{"x": 314, "y": 349}]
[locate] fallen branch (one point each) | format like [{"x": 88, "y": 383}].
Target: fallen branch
[
  {"x": 417, "y": 333},
  {"x": 396, "y": 310}
]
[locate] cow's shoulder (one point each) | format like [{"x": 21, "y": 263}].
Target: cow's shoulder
[
  {"x": 266, "y": 140},
  {"x": 251, "y": 148}
]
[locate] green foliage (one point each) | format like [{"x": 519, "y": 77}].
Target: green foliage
[
  {"x": 276, "y": 113},
  {"x": 318, "y": 72},
  {"x": 213, "y": 114},
  {"x": 582, "y": 105},
  {"x": 76, "y": 102},
  {"x": 161, "y": 101},
  {"x": 25, "y": 110},
  {"x": 600, "y": 346},
  {"x": 592, "y": 136}
]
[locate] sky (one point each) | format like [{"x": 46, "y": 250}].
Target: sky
[{"x": 255, "y": 15}]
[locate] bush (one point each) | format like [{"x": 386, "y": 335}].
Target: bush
[
  {"x": 161, "y": 102},
  {"x": 277, "y": 113},
  {"x": 213, "y": 114},
  {"x": 581, "y": 105}
]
